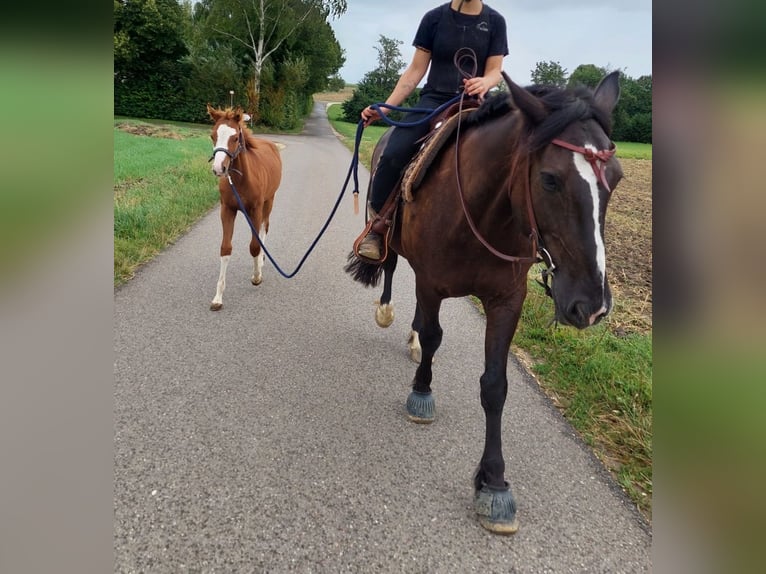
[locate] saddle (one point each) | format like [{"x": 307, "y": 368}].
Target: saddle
[{"x": 443, "y": 126}]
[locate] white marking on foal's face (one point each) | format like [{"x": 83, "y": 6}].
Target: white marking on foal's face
[
  {"x": 224, "y": 133},
  {"x": 586, "y": 172}
]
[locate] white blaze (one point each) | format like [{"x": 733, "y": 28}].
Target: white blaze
[
  {"x": 586, "y": 172},
  {"x": 224, "y": 133}
]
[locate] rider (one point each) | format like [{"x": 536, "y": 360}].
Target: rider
[{"x": 443, "y": 31}]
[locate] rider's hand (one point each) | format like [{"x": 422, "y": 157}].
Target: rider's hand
[
  {"x": 369, "y": 115},
  {"x": 477, "y": 86}
]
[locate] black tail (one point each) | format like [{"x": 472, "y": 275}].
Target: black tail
[{"x": 368, "y": 274}]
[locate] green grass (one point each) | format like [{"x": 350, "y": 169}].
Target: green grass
[
  {"x": 602, "y": 382},
  {"x": 347, "y": 131},
  {"x": 630, "y": 150},
  {"x": 161, "y": 187}
]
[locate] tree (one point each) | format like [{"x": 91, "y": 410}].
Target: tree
[
  {"x": 588, "y": 75},
  {"x": 376, "y": 85},
  {"x": 149, "y": 77},
  {"x": 263, "y": 26},
  {"x": 549, "y": 74}
]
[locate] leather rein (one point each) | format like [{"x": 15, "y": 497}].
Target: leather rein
[{"x": 597, "y": 160}]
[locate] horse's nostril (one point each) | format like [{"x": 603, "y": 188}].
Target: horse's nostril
[{"x": 578, "y": 315}]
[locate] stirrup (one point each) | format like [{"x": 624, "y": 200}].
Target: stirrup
[{"x": 370, "y": 246}]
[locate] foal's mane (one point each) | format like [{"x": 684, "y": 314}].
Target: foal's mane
[
  {"x": 230, "y": 114},
  {"x": 564, "y": 106}
]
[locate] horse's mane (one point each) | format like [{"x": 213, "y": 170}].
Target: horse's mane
[{"x": 564, "y": 106}]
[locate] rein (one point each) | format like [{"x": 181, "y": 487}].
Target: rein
[
  {"x": 596, "y": 158},
  {"x": 539, "y": 252},
  {"x": 260, "y": 242},
  {"x": 233, "y": 156}
]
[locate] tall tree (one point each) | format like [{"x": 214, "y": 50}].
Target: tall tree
[
  {"x": 149, "y": 79},
  {"x": 588, "y": 75},
  {"x": 378, "y": 84},
  {"x": 549, "y": 74},
  {"x": 263, "y": 26}
]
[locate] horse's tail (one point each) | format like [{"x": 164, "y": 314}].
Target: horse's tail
[{"x": 368, "y": 274}]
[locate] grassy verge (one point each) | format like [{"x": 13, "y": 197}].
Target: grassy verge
[
  {"x": 599, "y": 378},
  {"x": 162, "y": 186}
]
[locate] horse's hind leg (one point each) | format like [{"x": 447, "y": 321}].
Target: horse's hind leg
[
  {"x": 420, "y": 404},
  {"x": 384, "y": 312},
  {"x": 413, "y": 343},
  {"x": 493, "y": 500},
  {"x": 227, "y": 221}
]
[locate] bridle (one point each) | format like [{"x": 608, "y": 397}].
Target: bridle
[{"x": 596, "y": 158}]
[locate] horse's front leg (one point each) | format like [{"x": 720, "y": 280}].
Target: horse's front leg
[
  {"x": 260, "y": 226},
  {"x": 493, "y": 500},
  {"x": 421, "y": 407},
  {"x": 227, "y": 222},
  {"x": 384, "y": 312}
]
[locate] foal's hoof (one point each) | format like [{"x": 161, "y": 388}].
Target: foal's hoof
[
  {"x": 496, "y": 509},
  {"x": 256, "y": 280},
  {"x": 384, "y": 314},
  {"x": 216, "y": 306},
  {"x": 421, "y": 408}
]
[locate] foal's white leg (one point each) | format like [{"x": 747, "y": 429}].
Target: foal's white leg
[
  {"x": 258, "y": 261},
  {"x": 218, "y": 299}
]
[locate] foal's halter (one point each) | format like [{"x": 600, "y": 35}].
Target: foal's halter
[{"x": 232, "y": 156}]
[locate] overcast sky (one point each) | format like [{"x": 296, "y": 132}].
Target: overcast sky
[{"x": 608, "y": 33}]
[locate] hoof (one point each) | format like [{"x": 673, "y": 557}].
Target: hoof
[
  {"x": 421, "y": 407},
  {"x": 384, "y": 314},
  {"x": 216, "y": 306},
  {"x": 496, "y": 509},
  {"x": 256, "y": 281}
]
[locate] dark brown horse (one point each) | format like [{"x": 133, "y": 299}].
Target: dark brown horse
[
  {"x": 527, "y": 176},
  {"x": 254, "y": 166}
]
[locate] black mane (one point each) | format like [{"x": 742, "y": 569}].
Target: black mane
[{"x": 564, "y": 106}]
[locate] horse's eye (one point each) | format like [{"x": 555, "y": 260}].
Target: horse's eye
[{"x": 550, "y": 182}]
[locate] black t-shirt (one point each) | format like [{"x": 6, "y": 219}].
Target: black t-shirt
[{"x": 443, "y": 31}]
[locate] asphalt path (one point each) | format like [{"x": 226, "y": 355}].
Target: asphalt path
[{"x": 271, "y": 436}]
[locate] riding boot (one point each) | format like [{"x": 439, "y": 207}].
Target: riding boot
[
  {"x": 372, "y": 243},
  {"x": 371, "y": 246}
]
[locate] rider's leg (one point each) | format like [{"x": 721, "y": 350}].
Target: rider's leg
[{"x": 401, "y": 146}]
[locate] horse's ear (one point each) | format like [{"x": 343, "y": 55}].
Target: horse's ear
[
  {"x": 238, "y": 114},
  {"x": 607, "y": 92},
  {"x": 212, "y": 112},
  {"x": 531, "y": 106}
]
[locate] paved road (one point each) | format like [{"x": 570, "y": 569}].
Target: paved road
[{"x": 271, "y": 436}]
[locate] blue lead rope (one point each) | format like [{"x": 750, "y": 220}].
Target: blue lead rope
[{"x": 352, "y": 170}]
